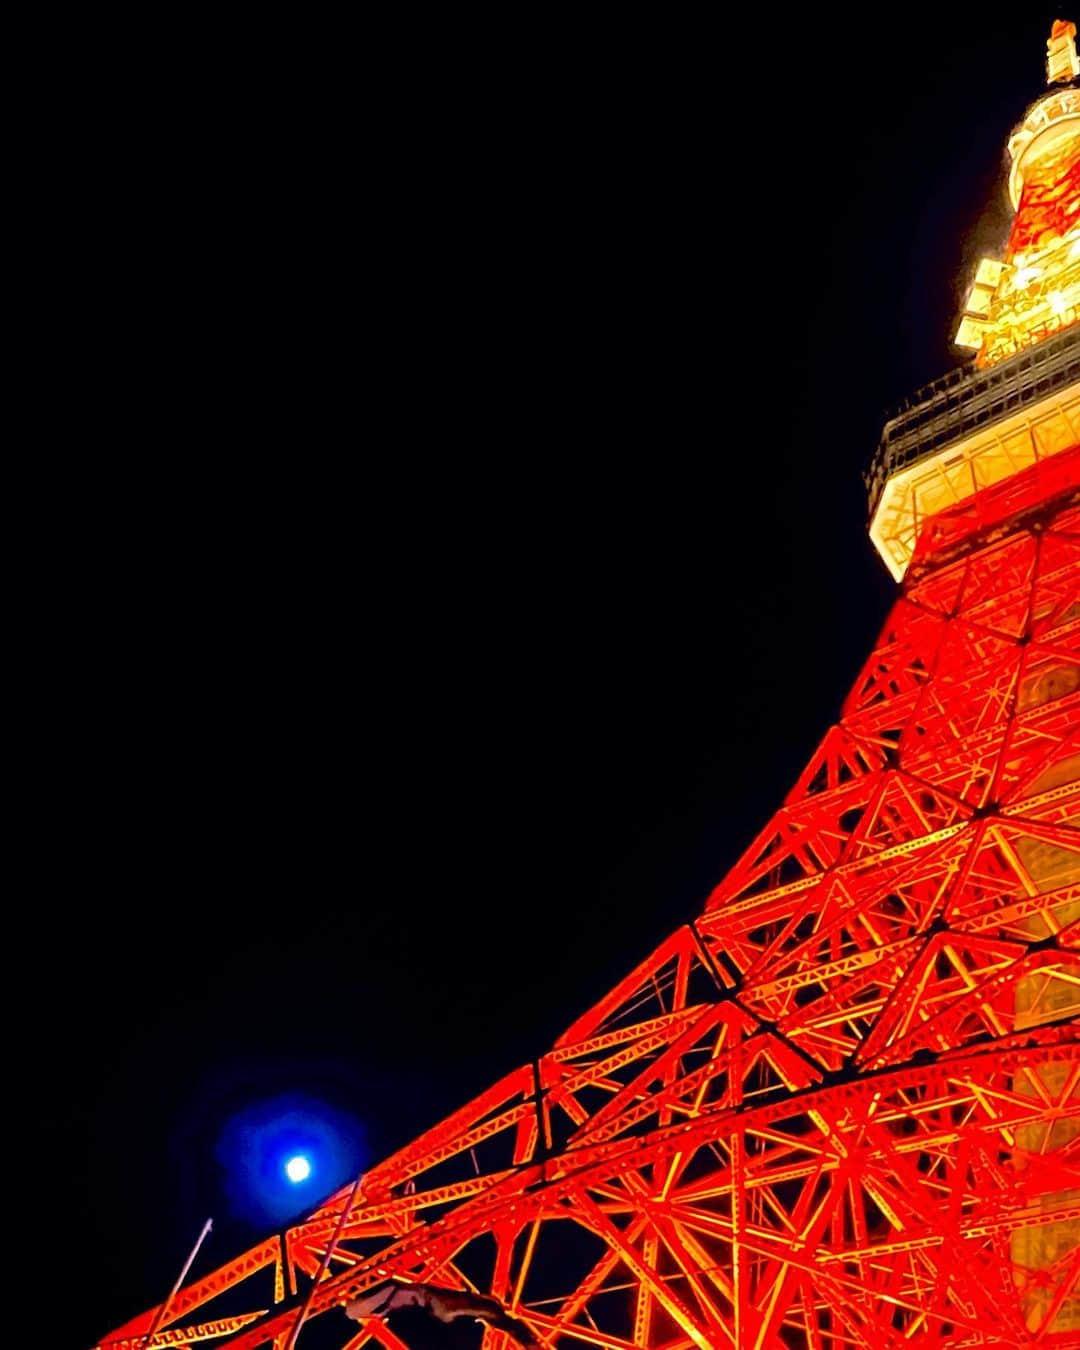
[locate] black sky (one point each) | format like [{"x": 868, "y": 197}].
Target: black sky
[{"x": 485, "y": 558}]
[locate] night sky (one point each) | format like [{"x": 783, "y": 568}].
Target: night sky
[{"x": 487, "y": 557}]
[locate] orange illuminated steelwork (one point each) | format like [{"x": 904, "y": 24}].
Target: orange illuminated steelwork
[{"x": 842, "y": 1107}]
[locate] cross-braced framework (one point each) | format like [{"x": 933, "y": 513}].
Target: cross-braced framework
[{"x": 842, "y": 1107}]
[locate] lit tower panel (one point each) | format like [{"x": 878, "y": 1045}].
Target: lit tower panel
[{"x": 841, "y": 1108}]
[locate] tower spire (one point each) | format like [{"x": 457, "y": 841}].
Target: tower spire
[{"x": 1034, "y": 291}]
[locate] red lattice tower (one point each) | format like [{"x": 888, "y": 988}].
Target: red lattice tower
[{"x": 841, "y": 1107}]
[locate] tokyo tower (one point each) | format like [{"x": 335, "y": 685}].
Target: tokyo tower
[{"x": 841, "y": 1108}]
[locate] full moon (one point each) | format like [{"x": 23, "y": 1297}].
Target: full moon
[{"x": 298, "y": 1168}]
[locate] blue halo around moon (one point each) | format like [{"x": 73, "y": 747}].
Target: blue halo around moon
[{"x": 280, "y": 1157}]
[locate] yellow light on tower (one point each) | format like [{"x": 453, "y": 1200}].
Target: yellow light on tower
[
  {"x": 977, "y": 306},
  {"x": 988, "y": 273},
  {"x": 1061, "y": 60},
  {"x": 982, "y": 291},
  {"x": 970, "y": 333}
]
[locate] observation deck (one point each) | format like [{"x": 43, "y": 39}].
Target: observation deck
[{"x": 966, "y": 431}]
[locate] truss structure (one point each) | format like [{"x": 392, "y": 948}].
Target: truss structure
[
  {"x": 839, "y": 1109},
  {"x": 842, "y": 1107}
]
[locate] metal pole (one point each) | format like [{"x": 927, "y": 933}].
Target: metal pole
[
  {"x": 179, "y": 1281},
  {"x": 302, "y": 1318}
]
